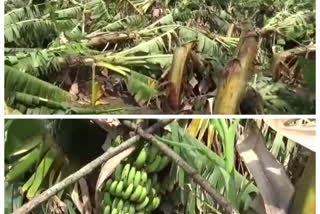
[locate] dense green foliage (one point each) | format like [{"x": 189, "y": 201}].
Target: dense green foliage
[
  {"x": 41, "y": 153},
  {"x": 132, "y": 42}
]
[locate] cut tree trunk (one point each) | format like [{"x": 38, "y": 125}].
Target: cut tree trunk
[{"x": 236, "y": 74}]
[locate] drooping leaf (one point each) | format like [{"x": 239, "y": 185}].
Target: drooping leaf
[
  {"x": 273, "y": 183},
  {"x": 32, "y": 186},
  {"x": 142, "y": 87},
  {"x": 23, "y": 135}
]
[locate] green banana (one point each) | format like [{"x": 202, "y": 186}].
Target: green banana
[
  {"x": 132, "y": 210},
  {"x": 107, "y": 199},
  {"x": 125, "y": 172},
  {"x": 155, "y": 183},
  {"x": 152, "y": 153},
  {"x": 119, "y": 188},
  {"x": 143, "y": 204},
  {"x": 126, "y": 207},
  {"x": 144, "y": 177},
  {"x": 154, "y": 165},
  {"x": 108, "y": 185},
  {"x": 131, "y": 175},
  {"x": 142, "y": 195},
  {"x": 114, "y": 211},
  {"x": 131, "y": 185},
  {"x": 113, "y": 187},
  {"x": 148, "y": 185},
  {"x": 141, "y": 159},
  {"x": 154, "y": 204},
  {"x": 154, "y": 179},
  {"x": 117, "y": 173},
  {"x": 137, "y": 178},
  {"x": 163, "y": 163},
  {"x": 115, "y": 203},
  {"x": 107, "y": 210},
  {"x": 120, "y": 205},
  {"x": 136, "y": 194},
  {"x": 153, "y": 192},
  {"x": 128, "y": 191}
]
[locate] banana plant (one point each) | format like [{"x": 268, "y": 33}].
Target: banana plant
[
  {"x": 29, "y": 146},
  {"x": 218, "y": 170},
  {"x": 213, "y": 134}
]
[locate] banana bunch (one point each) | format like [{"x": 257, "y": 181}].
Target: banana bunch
[
  {"x": 134, "y": 188},
  {"x": 117, "y": 205},
  {"x": 150, "y": 158},
  {"x": 130, "y": 191}
]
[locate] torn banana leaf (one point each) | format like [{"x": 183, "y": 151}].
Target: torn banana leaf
[{"x": 275, "y": 187}]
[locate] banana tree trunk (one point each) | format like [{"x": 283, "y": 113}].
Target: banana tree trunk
[
  {"x": 304, "y": 201},
  {"x": 236, "y": 74}
]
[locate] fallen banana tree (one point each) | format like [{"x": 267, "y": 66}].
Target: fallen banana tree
[{"x": 131, "y": 44}]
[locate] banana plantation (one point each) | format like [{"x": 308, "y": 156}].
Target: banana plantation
[
  {"x": 160, "y": 57},
  {"x": 186, "y": 166}
]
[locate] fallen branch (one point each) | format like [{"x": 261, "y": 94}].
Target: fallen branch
[
  {"x": 87, "y": 169},
  {"x": 226, "y": 205}
]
